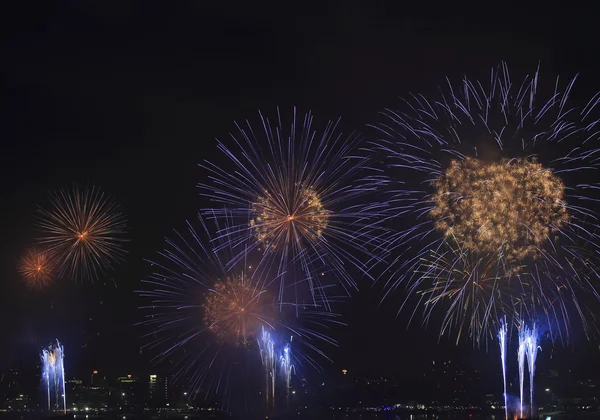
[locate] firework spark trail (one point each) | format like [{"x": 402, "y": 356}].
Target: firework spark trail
[
  {"x": 46, "y": 366},
  {"x": 286, "y": 367},
  {"x": 494, "y": 179},
  {"x": 82, "y": 229},
  {"x": 297, "y": 197},
  {"x": 53, "y": 374},
  {"x": 267, "y": 355},
  {"x": 472, "y": 284},
  {"x": 202, "y": 316},
  {"x": 521, "y": 355},
  {"x": 502, "y": 341},
  {"x": 532, "y": 348}
]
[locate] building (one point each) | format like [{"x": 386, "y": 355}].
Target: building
[
  {"x": 158, "y": 391},
  {"x": 452, "y": 385},
  {"x": 93, "y": 396},
  {"x": 20, "y": 387},
  {"x": 130, "y": 392}
]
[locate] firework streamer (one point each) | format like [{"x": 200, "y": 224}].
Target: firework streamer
[
  {"x": 83, "y": 231},
  {"x": 502, "y": 335},
  {"x": 494, "y": 183},
  {"x": 299, "y": 199},
  {"x": 267, "y": 355},
  {"x": 53, "y": 374},
  {"x": 46, "y": 365},
  {"x": 532, "y": 348},
  {"x": 521, "y": 354},
  {"x": 286, "y": 368}
]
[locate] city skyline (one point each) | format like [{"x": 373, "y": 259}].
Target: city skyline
[{"x": 443, "y": 385}]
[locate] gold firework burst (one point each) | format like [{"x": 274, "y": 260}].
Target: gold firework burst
[
  {"x": 37, "y": 269},
  {"x": 510, "y": 207},
  {"x": 84, "y": 229},
  {"x": 235, "y": 310},
  {"x": 281, "y": 220}
]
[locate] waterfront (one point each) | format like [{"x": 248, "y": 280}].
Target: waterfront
[{"x": 322, "y": 415}]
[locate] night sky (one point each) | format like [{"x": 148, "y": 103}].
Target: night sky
[{"x": 129, "y": 96}]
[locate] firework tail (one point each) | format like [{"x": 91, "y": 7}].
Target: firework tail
[
  {"x": 53, "y": 373},
  {"x": 46, "y": 373},
  {"x": 502, "y": 339},
  {"x": 286, "y": 368},
  {"x": 62, "y": 373},
  {"x": 267, "y": 354},
  {"x": 521, "y": 359},
  {"x": 532, "y": 348}
]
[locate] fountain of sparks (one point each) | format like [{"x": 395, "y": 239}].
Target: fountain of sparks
[
  {"x": 523, "y": 333},
  {"x": 531, "y": 349},
  {"x": 502, "y": 339},
  {"x": 286, "y": 368},
  {"x": 53, "y": 376},
  {"x": 267, "y": 355}
]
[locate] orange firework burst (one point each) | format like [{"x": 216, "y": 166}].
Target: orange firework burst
[
  {"x": 279, "y": 220},
  {"x": 509, "y": 207},
  {"x": 235, "y": 310},
  {"x": 84, "y": 229},
  {"x": 36, "y": 268}
]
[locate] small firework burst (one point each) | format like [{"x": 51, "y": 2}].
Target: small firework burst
[
  {"x": 37, "y": 269},
  {"x": 83, "y": 229},
  {"x": 277, "y": 221},
  {"x": 235, "y": 310}
]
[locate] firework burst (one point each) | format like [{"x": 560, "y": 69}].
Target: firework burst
[
  {"x": 500, "y": 195},
  {"x": 206, "y": 319},
  {"x": 83, "y": 230},
  {"x": 296, "y": 196},
  {"x": 37, "y": 269},
  {"x": 235, "y": 310},
  {"x": 509, "y": 208}
]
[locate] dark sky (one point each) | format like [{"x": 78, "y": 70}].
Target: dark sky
[{"x": 129, "y": 96}]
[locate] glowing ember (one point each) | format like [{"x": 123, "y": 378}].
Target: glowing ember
[
  {"x": 37, "y": 269},
  {"x": 282, "y": 220},
  {"x": 235, "y": 310},
  {"x": 509, "y": 207}
]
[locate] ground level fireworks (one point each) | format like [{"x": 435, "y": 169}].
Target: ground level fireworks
[{"x": 53, "y": 376}]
